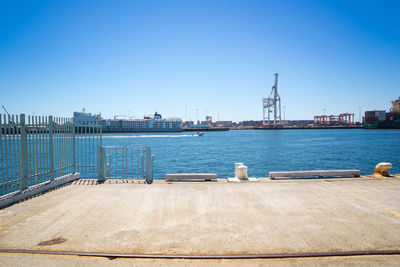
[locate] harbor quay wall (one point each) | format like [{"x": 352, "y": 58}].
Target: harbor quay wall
[
  {"x": 211, "y": 129},
  {"x": 140, "y": 130},
  {"x": 307, "y": 128}
]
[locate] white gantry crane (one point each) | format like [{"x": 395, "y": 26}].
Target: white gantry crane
[{"x": 272, "y": 101}]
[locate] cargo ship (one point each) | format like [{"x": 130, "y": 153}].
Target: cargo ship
[
  {"x": 116, "y": 125},
  {"x": 380, "y": 119}
]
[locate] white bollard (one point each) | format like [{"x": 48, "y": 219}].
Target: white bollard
[
  {"x": 242, "y": 172},
  {"x": 237, "y": 164}
]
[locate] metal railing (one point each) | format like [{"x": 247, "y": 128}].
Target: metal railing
[
  {"x": 87, "y": 140},
  {"x": 34, "y": 149},
  {"x": 125, "y": 163},
  {"x": 37, "y": 149}
]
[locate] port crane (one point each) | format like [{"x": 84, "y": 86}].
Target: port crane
[{"x": 272, "y": 104}]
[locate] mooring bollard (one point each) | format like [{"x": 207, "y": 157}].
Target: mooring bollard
[
  {"x": 237, "y": 164},
  {"x": 242, "y": 172},
  {"x": 381, "y": 169}
]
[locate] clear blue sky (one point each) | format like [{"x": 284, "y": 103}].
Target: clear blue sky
[{"x": 137, "y": 56}]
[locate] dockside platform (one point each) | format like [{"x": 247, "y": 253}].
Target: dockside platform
[{"x": 123, "y": 222}]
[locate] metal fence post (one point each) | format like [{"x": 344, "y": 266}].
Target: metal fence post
[
  {"x": 73, "y": 146},
  {"x": 35, "y": 166},
  {"x": 149, "y": 178},
  {"x": 101, "y": 163},
  {"x": 51, "y": 151},
  {"x": 142, "y": 164},
  {"x": 152, "y": 167},
  {"x": 24, "y": 153}
]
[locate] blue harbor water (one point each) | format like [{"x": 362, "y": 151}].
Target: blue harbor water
[{"x": 265, "y": 151}]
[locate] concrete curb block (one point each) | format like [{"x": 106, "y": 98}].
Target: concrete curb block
[
  {"x": 170, "y": 177},
  {"x": 315, "y": 173}
]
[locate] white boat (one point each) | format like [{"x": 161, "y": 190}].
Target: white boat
[{"x": 198, "y": 134}]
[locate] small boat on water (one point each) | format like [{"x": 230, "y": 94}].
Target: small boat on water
[{"x": 198, "y": 134}]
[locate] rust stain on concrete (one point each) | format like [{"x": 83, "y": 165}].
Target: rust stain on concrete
[{"x": 54, "y": 241}]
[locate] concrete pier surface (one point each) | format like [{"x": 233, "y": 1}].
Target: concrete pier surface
[{"x": 207, "y": 218}]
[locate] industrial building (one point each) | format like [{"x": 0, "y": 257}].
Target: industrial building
[
  {"x": 224, "y": 124},
  {"x": 288, "y": 123}
]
